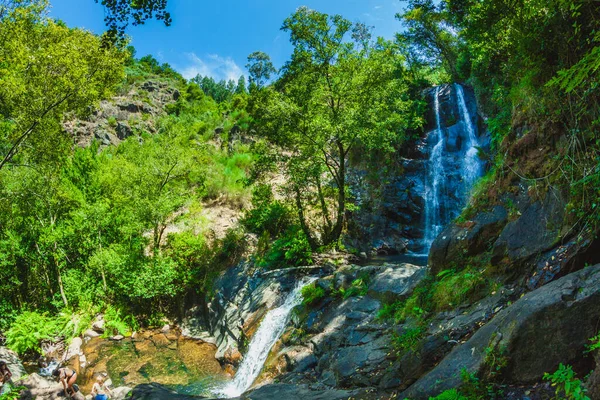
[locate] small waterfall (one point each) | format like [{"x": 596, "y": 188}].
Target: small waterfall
[
  {"x": 472, "y": 164},
  {"x": 268, "y": 333},
  {"x": 49, "y": 369},
  {"x": 433, "y": 223}
]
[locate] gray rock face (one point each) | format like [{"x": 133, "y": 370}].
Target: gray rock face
[
  {"x": 458, "y": 241},
  {"x": 396, "y": 282},
  {"x": 154, "y": 391},
  {"x": 539, "y": 331},
  {"x": 115, "y": 120},
  {"x": 350, "y": 346},
  {"x": 537, "y": 228}
]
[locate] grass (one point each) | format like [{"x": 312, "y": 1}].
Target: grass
[{"x": 446, "y": 291}]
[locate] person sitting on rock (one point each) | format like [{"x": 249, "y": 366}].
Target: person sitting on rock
[
  {"x": 100, "y": 390},
  {"x": 67, "y": 377},
  {"x": 5, "y": 378}
]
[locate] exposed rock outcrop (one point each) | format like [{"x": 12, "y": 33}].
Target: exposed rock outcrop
[
  {"x": 116, "y": 119},
  {"x": 535, "y": 334}
]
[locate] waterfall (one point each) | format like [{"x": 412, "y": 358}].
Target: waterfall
[
  {"x": 472, "y": 164},
  {"x": 269, "y": 331},
  {"x": 452, "y": 168},
  {"x": 433, "y": 224}
]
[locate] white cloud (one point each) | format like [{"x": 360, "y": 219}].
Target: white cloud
[
  {"x": 377, "y": 7},
  {"x": 212, "y": 65}
]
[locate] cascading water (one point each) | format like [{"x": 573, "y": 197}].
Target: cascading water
[
  {"x": 433, "y": 223},
  {"x": 453, "y": 166},
  {"x": 49, "y": 369},
  {"x": 472, "y": 164},
  {"x": 268, "y": 333}
]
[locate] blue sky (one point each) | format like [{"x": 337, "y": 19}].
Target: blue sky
[{"x": 215, "y": 37}]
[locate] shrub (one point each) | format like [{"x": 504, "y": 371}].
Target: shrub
[
  {"x": 13, "y": 394},
  {"x": 291, "y": 250},
  {"x": 267, "y": 215},
  {"x": 567, "y": 385},
  {"x": 409, "y": 339},
  {"x": 451, "y": 394},
  {"x": 359, "y": 287},
  {"x": 311, "y": 294},
  {"x": 29, "y": 329},
  {"x": 115, "y": 323}
]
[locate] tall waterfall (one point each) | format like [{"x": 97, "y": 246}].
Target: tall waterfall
[
  {"x": 453, "y": 165},
  {"x": 433, "y": 223},
  {"x": 472, "y": 164},
  {"x": 269, "y": 331}
]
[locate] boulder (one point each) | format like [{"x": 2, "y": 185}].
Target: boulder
[
  {"x": 74, "y": 349},
  {"x": 396, "y": 282},
  {"x": 536, "y": 230},
  {"x": 12, "y": 361},
  {"x": 536, "y": 333},
  {"x": 123, "y": 130},
  {"x": 457, "y": 241},
  {"x": 98, "y": 325},
  {"x": 120, "y": 393},
  {"x": 90, "y": 333}
]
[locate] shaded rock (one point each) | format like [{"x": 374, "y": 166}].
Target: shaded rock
[
  {"x": 123, "y": 130},
  {"x": 544, "y": 322},
  {"x": 536, "y": 230},
  {"x": 297, "y": 392},
  {"x": 458, "y": 241},
  {"x": 154, "y": 391}
]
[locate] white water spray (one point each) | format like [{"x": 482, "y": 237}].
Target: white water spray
[
  {"x": 472, "y": 164},
  {"x": 269, "y": 331},
  {"x": 433, "y": 223},
  {"x": 49, "y": 369}
]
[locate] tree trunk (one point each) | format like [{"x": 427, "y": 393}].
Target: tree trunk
[
  {"x": 59, "y": 277},
  {"x": 303, "y": 224},
  {"x": 341, "y": 206},
  {"x": 60, "y": 285},
  {"x": 328, "y": 227}
]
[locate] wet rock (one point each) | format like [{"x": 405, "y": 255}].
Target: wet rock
[
  {"x": 546, "y": 321},
  {"x": 232, "y": 356},
  {"x": 117, "y": 338},
  {"x": 154, "y": 391}
]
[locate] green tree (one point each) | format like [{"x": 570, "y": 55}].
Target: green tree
[
  {"x": 260, "y": 68},
  {"x": 47, "y": 70},
  {"x": 428, "y": 35},
  {"x": 340, "y": 92},
  {"x": 120, "y": 13}
]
